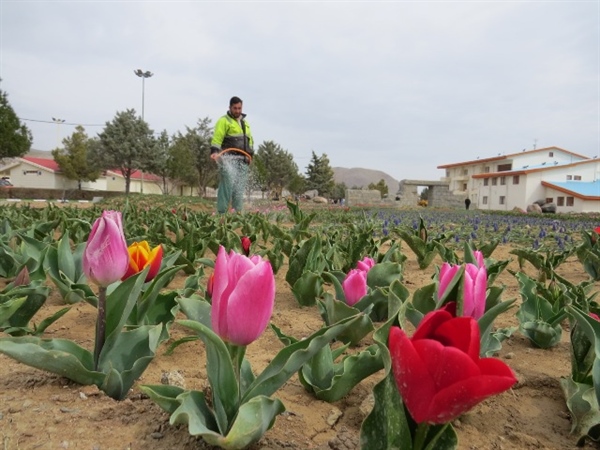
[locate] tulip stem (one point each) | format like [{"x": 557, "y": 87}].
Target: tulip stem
[
  {"x": 237, "y": 353},
  {"x": 100, "y": 325},
  {"x": 420, "y": 436}
]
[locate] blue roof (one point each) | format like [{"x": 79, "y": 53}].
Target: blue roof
[{"x": 585, "y": 188}]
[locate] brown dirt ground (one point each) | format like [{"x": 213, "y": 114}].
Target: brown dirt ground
[{"x": 39, "y": 410}]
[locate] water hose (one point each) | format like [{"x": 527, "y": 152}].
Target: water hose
[{"x": 236, "y": 150}]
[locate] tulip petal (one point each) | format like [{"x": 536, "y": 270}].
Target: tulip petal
[
  {"x": 413, "y": 380},
  {"x": 250, "y": 305},
  {"x": 430, "y": 322},
  {"x": 220, "y": 283},
  {"x": 154, "y": 261},
  {"x": 458, "y": 398},
  {"x": 447, "y": 273},
  {"x": 460, "y": 332}
]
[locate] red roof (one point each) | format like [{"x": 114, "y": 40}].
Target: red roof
[{"x": 49, "y": 164}]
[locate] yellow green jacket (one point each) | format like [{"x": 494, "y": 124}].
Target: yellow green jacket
[{"x": 228, "y": 133}]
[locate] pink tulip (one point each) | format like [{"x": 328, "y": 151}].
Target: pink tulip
[
  {"x": 105, "y": 258},
  {"x": 479, "y": 258},
  {"x": 594, "y": 316},
  {"x": 447, "y": 273},
  {"x": 243, "y": 296},
  {"x": 366, "y": 264},
  {"x": 474, "y": 291},
  {"x": 355, "y": 286}
]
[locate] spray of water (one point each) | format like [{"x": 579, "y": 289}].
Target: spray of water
[{"x": 242, "y": 180}]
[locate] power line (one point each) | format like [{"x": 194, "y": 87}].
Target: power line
[{"x": 64, "y": 123}]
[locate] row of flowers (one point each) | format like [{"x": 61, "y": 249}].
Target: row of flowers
[{"x": 437, "y": 374}]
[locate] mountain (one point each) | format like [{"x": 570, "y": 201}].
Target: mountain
[{"x": 363, "y": 177}]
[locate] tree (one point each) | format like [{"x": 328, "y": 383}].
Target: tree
[
  {"x": 381, "y": 186},
  {"x": 15, "y": 137},
  {"x": 319, "y": 175},
  {"x": 297, "y": 184},
  {"x": 126, "y": 143},
  {"x": 160, "y": 163},
  {"x": 424, "y": 194},
  {"x": 73, "y": 158},
  {"x": 275, "y": 167},
  {"x": 339, "y": 191},
  {"x": 192, "y": 151}
]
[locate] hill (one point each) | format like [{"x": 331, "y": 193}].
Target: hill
[{"x": 363, "y": 177}]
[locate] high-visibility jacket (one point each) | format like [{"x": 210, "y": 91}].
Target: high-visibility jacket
[{"x": 229, "y": 133}]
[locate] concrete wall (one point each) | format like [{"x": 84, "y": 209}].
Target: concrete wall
[
  {"x": 439, "y": 194},
  {"x": 357, "y": 197}
]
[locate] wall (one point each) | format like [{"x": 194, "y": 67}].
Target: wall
[{"x": 357, "y": 197}]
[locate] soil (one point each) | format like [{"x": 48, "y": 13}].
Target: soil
[{"x": 39, "y": 410}]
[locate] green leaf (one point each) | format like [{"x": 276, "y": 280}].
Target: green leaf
[
  {"x": 333, "y": 311},
  {"x": 291, "y": 358},
  {"x": 8, "y": 308},
  {"x": 59, "y": 356},
  {"x": 308, "y": 288},
  {"x": 585, "y": 414},
  {"x": 121, "y": 301},
  {"x": 384, "y": 274},
  {"x": 220, "y": 372},
  {"x": 196, "y": 308},
  {"x": 163, "y": 395}
]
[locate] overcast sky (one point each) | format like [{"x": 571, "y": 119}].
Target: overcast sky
[{"x": 397, "y": 86}]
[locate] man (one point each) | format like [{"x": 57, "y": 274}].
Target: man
[{"x": 232, "y": 148}]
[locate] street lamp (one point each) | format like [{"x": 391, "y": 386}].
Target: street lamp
[
  {"x": 58, "y": 122},
  {"x": 143, "y": 75}
]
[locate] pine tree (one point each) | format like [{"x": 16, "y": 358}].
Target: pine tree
[
  {"x": 15, "y": 137},
  {"x": 319, "y": 175},
  {"x": 275, "y": 167}
]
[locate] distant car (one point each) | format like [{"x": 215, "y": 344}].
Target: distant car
[{"x": 5, "y": 183}]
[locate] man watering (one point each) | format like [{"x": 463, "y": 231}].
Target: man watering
[{"x": 232, "y": 148}]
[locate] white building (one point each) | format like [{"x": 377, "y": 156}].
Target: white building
[{"x": 550, "y": 175}]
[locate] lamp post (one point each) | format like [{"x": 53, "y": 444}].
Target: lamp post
[
  {"x": 143, "y": 75},
  {"x": 58, "y": 122}
]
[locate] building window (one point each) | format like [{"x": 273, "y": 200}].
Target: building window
[
  {"x": 484, "y": 200},
  {"x": 577, "y": 177},
  {"x": 486, "y": 181},
  {"x": 465, "y": 171},
  {"x": 447, "y": 173},
  {"x": 486, "y": 169},
  {"x": 494, "y": 181},
  {"x": 502, "y": 200},
  {"x": 560, "y": 201},
  {"x": 569, "y": 177},
  {"x": 504, "y": 167},
  {"x": 549, "y": 199},
  {"x": 570, "y": 201},
  {"x": 516, "y": 179},
  {"x": 503, "y": 181},
  {"x": 551, "y": 154},
  {"x": 464, "y": 186}
]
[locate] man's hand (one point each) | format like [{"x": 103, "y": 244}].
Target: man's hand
[{"x": 214, "y": 156}]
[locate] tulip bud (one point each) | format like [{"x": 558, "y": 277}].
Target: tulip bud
[
  {"x": 246, "y": 243},
  {"x": 447, "y": 273},
  {"x": 210, "y": 286},
  {"x": 597, "y": 231},
  {"x": 140, "y": 256},
  {"x": 355, "y": 286},
  {"x": 22, "y": 278},
  {"x": 594, "y": 316},
  {"x": 474, "y": 291},
  {"x": 105, "y": 257},
  {"x": 243, "y": 297},
  {"x": 366, "y": 264},
  {"x": 479, "y": 258}
]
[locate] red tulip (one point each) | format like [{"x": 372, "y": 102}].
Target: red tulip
[
  {"x": 594, "y": 316},
  {"x": 246, "y": 243},
  {"x": 140, "y": 256},
  {"x": 105, "y": 258},
  {"x": 439, "y": 372},
  {"x": 597, "y": 231},
  {"x": 243, "y": 297}
]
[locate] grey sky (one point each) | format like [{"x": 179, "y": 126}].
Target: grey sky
[{"x": 400, "y": 87}]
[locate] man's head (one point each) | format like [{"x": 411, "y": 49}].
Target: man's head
[{"x": 235, "y": 107}]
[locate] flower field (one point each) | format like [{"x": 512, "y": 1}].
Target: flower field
[{"x": 184, "y": 362}]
